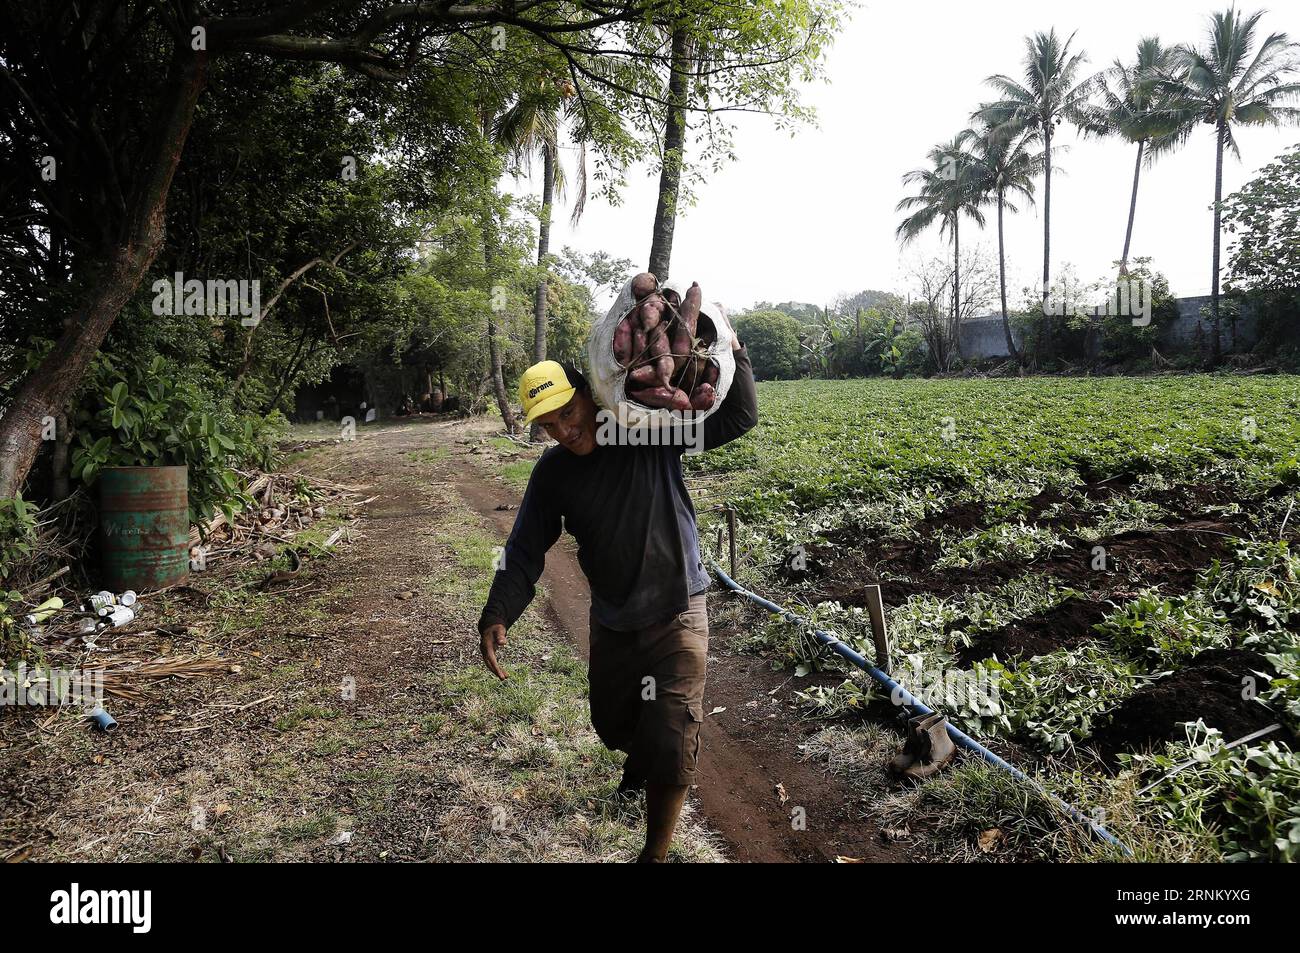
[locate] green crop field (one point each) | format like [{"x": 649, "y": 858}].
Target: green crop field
[{"x": 1096, "y": 577}]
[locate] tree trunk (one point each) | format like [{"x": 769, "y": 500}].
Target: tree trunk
[
  {"x": 1045, "y": 328},
  {"x": 59, "y": 459},
  {"x": 1002, "y": 281},
  {"x": 1047, "y": 213},
  {"x": 537, "y": 434},
  {"x": 1132, "y": 207},
  {"x": 661, "y": 243},
  {"x": 498, "y": 380},
  {"x": 1217, "y": 352},
  {"x": 956, "y": 286},
  {"x": 494, "y": 353},
  {"x": 47, "y": 390}
]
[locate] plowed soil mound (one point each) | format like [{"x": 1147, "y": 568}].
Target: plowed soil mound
[{"x": 1209, "y": 687}]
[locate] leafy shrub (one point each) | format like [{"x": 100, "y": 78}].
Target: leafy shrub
[
  {"x": 1002, "y": 541},
  {"x": 17, "y": 533},
  {"x": 1088, "y": 327},
  {"x": 1283, "y": 693},
  {"x": 147, "y": 415},
  {"x": 1055, "y": 699},
  {"x": 17, "y": 536},
  {"x": 1163, "y": 631}
]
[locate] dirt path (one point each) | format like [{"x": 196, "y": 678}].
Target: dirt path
[
  {"x": 747, "y": 750},
  {"x": 354, "y": 720},
  {"x": 346, "y": 715}
]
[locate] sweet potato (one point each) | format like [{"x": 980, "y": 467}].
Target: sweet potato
[
  {"x": 711, "y": 373},
  {"x": 623, "y": 342},
  {"x": 673, "y": 398},
  {"x": 647, "y": 375},
  {"x": 703, "y": 397},
  {"x": 639, "y": 354},
  {"x": 689, "y": 313},
  {"x": 660, "y": 351},
  {"x": 650, "y": 312},
  {"x": 681, "y": 346},
  {"x": 643, "y": 284}
]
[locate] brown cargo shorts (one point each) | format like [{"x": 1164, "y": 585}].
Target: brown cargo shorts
[{"x": 647, "y": 694}]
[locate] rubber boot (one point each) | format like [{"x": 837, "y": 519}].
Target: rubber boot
[
  {"x": 911, "y": 747},
  {"x": 937, "y": 748}
]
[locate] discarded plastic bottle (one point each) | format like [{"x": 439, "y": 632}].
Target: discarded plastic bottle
[
  {"x": 121, "y": 615},
  {"x": 45, "y": 610}
]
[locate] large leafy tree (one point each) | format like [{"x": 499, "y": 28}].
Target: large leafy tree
[
  {"x": 1052, "y": 90},
  {"x": 1234, "y": 79},
  {"x": 772, "y": 340},
  {"x": 1264, "y": 219},
  {"x": 109, "y": 90}
]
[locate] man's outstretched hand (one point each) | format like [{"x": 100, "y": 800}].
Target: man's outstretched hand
[{"x": 493, "y": 638}]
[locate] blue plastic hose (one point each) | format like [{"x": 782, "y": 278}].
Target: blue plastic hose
[
  {"x": 103, "y": 720},
  {"x": 917, "y": 706}
]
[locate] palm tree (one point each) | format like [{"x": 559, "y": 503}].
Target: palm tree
[
  {"x": 1224, "y": 86},
  {"x": 1133, "y": 108},
  {"x": 1051, "y": 93},
  {"x": 531, "y": 126},
  {"x": 945, "y": 194},
  {"x": 1003, "y": 163}
]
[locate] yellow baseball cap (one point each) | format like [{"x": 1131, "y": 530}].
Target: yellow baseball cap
[{"x": 543, "y": 388}]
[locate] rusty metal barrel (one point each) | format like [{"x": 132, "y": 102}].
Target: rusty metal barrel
[{"x": 144, "y": 526}]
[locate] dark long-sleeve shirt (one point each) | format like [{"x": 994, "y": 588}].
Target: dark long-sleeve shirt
[{"x": 628, "y": 508}]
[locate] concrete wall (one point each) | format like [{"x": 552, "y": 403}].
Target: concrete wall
[
  {"x": 982, "y": 338},
  {"x": 1180, "y": 335}
]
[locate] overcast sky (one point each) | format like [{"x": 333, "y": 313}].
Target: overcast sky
[{"x": 808, "y": 217}]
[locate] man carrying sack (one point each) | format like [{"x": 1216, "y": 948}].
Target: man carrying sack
[{"x": 626, "y": 504}]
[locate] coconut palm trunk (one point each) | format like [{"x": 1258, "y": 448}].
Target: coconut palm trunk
[
  {"x": 1218, "y": 212},
  {"x": 1002, "y": 281},
  {"x": 536, "y": 433},
  {"x": 543, "y": 249},
  {"x": 1047, "y": 212},
  {"x": 956, "y": 286},
  {"x": 1132, "y": 207}
]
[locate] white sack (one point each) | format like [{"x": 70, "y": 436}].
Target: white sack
[{"x": 608, "y": 376}]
